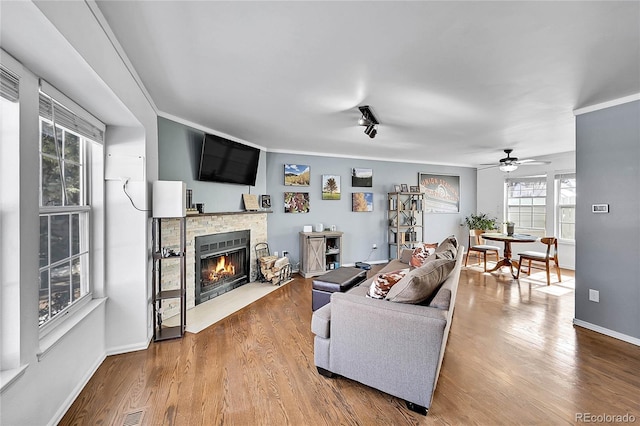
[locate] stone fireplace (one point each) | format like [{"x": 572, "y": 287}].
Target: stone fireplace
[{"x": 210, "y": 224}]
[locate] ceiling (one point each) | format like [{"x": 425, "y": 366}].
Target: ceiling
[{"x": 450, "y": 82}]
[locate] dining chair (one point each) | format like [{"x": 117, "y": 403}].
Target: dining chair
[
  {"x": 476, "y": 245},
  {"x": 546, "y": 258}
]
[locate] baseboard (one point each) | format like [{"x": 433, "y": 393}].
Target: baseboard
[
  {"x": 76, "y": 392},
  {"x": 129, "y": 348},
  {"x": 607, "y": 332}
]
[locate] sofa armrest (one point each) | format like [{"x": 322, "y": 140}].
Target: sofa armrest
[{"x": 391, "y": 346}]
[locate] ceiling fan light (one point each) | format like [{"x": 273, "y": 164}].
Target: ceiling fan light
[
  {"x": 363, "y": 121},
  {"x": 508, "y": 167}
]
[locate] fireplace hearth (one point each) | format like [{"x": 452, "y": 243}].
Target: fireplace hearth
[{"x": 221, "y": 263}]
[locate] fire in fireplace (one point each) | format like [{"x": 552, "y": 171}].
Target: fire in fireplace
[{"x": 222, "y": 263}]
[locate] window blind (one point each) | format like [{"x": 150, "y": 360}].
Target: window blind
[
  {"x": 9, "y": 85},
  {"x": 565, "y": 176},
  {"x": 68, "y": 114}
]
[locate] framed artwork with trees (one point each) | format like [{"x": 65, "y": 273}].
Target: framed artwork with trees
[{"x": 330, "y": 187}]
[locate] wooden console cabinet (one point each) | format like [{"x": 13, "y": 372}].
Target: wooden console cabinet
[{"x": 319, "y": 252}]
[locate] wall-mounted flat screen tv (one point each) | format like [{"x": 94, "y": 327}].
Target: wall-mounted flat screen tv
[{"x": 223, "y": 160}]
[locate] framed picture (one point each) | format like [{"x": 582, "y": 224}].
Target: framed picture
[
  {"x": 442, "y": 193},
  {"x": 362, "y": 202},
  {"x": 362, "y": 177},
  {"x": 250, "y": 202},
  {"x": 414, "y": 188},
  {"x": 296, "y": 175},
  {"x": 330, "y": 187},
  {"x": 265, "y": 201},
  {"x": 396, "y": 188},
  {"x": 296, "y": 202},
  {"x": 405, "y": 188}
]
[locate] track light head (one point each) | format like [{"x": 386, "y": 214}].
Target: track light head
[{"x": 369, "y": 120}]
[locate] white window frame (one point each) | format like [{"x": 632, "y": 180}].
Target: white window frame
[
  {"x": 559, "y": 206},
  {"x": 532, "y": 230},
  {"x": 83, "y": 125}
]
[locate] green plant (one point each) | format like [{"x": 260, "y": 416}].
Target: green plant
[{"x": 480, "y": 221}]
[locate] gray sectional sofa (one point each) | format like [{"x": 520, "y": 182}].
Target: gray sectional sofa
[{"x": 397, "y": 348}]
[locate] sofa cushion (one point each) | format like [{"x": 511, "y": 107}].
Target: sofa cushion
[
  {"x": 421, "y": 253},
  {"x": 382, "y": 283},
  {"x": 420, "y": 283},
  {"x": 448, "y": 248},
  {"x": 321, "y": 321}
]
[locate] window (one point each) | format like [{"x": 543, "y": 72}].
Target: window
[
  {"x": 65, "y": 208},
  {"x": 9, "y": 221},
  {"x": 566, "y": 206},
  {"x": 526, "y": 204}
]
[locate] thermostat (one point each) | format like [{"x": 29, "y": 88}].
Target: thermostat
[{"x": 599, "y": 208}]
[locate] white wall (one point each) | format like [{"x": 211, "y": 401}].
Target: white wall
[
  {"x": 491, "y": 198},
  {"x": 87, "y": 68}
]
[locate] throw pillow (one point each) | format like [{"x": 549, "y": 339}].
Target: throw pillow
[
  {"x": 449, "y": 244},
  {"x": 381, "y": 285},
  {"x": 420, "y": 283},
  {"x": 421, "y": 253}
]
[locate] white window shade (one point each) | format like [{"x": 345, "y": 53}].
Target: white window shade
[
  {"x": 9, "y": 85},
  {"x": 68, "y": 114}
]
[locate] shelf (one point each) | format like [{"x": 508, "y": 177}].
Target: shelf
[
  {"x": 169, "y": 294},
  {"x": 161, "y": 295},
  {"x": 158, "y": 255},
  {"x": 405, "y": 219},
  {"x": 332, "y": 252},
  {"x": 166, "y": 333}
]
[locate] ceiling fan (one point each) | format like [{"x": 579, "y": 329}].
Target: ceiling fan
[{"x": 509, "y": 163}]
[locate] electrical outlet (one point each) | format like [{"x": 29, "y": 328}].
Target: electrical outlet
[
  {"x": 374, "y": 246},
  {"x": 275, "y": 253},
  {"x": 594, "y": 296}
]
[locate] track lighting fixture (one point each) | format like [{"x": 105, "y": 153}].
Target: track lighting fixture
[{"x": 369, "y": 121}]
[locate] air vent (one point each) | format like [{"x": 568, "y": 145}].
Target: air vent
[{"x": 133, "y": 419}]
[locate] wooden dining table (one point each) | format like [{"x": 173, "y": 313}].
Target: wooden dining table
[{"x": 507, "y": 240}]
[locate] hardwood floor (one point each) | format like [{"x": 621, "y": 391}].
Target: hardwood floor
[{"x": 513, "y": 357}]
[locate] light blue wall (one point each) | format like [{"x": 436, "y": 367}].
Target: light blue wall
[
  {"x": 361, "y": 230},
  {"x": 179, "y": 151},
  {"x": 178, "y": 159},
  {"x": 608, "y": 245}
]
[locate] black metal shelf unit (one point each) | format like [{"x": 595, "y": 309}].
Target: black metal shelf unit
[{"x": 164, "y": 293}]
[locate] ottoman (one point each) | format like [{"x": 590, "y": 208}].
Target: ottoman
[{"x": 341, "y": 279}]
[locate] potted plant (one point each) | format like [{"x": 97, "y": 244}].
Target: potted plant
[{"x": 480, "y": 221}]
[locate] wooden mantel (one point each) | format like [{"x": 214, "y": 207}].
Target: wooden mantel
[{"x": 229, "y": 213}]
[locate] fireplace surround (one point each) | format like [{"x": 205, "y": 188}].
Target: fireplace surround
[{"x": 212, "y": 223}]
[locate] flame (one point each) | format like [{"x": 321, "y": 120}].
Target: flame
[{"x": 221, "y": 269}]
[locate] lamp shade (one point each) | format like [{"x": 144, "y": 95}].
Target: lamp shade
[
  {"x": 508, "y": 167},
  {"x": 169, "y": 198}
]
